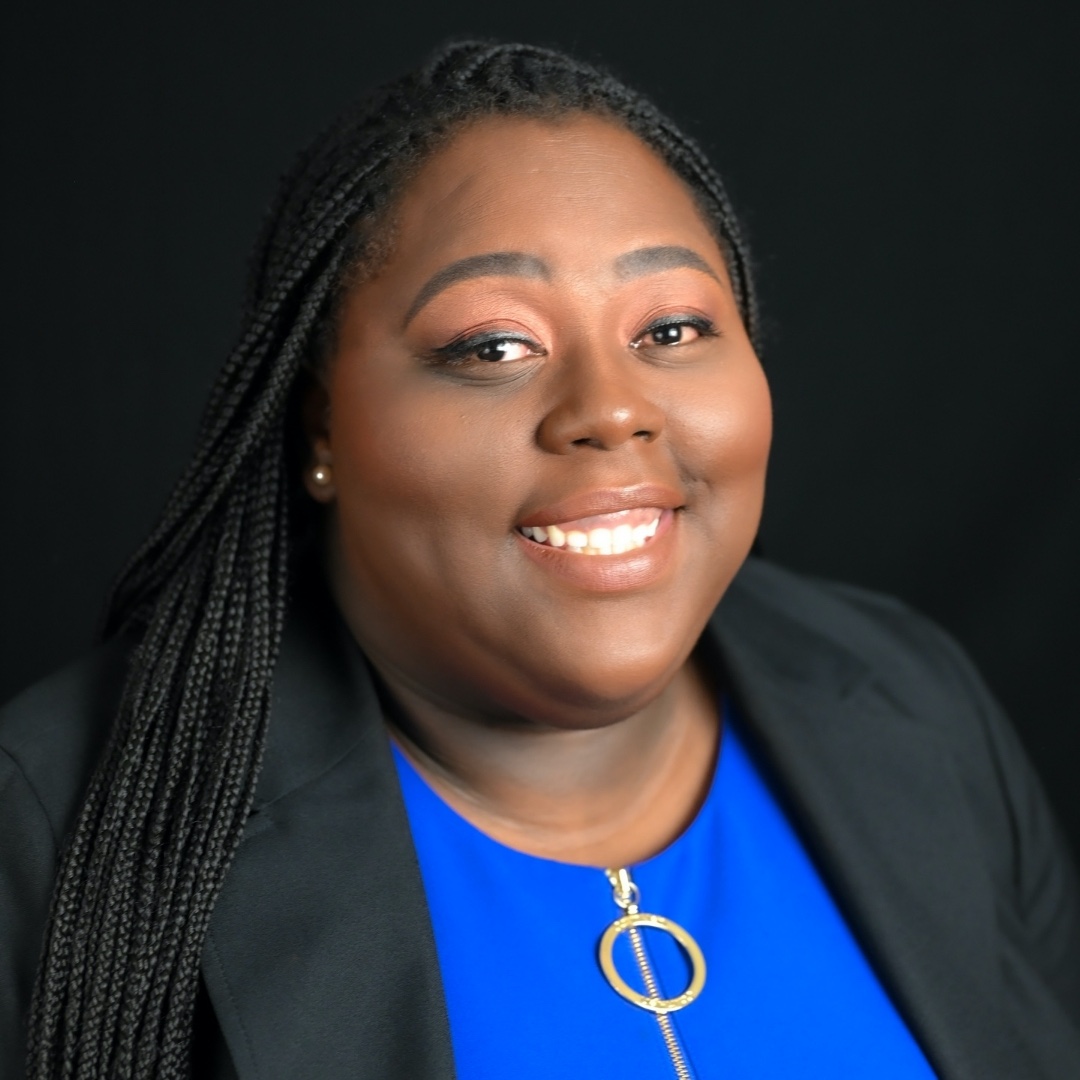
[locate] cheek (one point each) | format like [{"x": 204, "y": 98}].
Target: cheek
[
  {"x": 405, "y": 507},
  {"x": 415, "y": 461},
  {"x": 727, "y": 430},
  {"x": 380, "y": 454}
]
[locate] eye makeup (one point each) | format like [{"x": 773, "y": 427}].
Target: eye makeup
[{"x": 459, "y": 351}]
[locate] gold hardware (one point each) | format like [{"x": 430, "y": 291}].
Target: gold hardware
[
  {"x": 651, "y": 1002},
  {"x": 627, "y": 896}
]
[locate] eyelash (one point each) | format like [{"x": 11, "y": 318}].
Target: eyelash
[
  {"x": 458, "y": 352},
  {"x": 705, "y": 328}
]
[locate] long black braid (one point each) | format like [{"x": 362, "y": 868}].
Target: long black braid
[{"x": 205, "y": 595}]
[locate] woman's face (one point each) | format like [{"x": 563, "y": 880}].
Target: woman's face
[{"x": 547, "y": 429}]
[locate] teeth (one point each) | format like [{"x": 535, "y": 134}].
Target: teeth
[
  {"x": 575, "y": 539},
  {"x": 598, "y": 541},
  {"x": 622, "y": 539}
]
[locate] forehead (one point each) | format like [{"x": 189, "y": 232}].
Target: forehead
[{"x": 549, "y": 186}]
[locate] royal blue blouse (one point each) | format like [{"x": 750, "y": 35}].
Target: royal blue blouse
[{"x": 788, "y": 991}]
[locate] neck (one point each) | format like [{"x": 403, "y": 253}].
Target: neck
[{"x": 607, "y": 796}]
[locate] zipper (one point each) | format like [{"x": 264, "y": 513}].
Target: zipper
[{"x": 628, "y": 897}]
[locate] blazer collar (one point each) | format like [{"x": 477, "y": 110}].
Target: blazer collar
[{"x": 321, "y": 961}]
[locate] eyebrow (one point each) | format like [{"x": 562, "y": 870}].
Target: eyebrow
[
  {"x": 633, "y": 264},
  {"x": 652, "y": 260},
  {"x": 493, "y": 264}
]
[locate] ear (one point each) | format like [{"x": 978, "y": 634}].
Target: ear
[{"x": 315, "y": 418}]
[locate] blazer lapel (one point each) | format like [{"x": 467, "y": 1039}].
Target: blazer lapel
[
  {"x": 320, "y": 960},
  {"x": 875, "y": 799}
]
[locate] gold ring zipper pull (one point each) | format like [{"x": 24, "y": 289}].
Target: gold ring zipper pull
[{"x": 627, "y": 896}]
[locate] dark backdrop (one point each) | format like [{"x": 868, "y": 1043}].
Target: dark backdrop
[{"x": 908, "y": 178}]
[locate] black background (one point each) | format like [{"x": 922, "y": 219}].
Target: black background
[{"x": 908, "y": 177}]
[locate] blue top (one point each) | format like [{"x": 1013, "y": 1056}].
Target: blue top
[{"x": 788, "y": 991}]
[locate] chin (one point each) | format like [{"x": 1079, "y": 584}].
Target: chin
[{"x": 593, "y": 688}]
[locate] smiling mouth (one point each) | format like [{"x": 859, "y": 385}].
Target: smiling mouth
[{"x": 600, "y": 534}]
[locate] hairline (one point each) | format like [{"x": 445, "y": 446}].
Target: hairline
[{"x": 373, "y": 236}]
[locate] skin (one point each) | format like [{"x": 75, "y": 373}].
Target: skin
[{"x": 564, "y": 717}]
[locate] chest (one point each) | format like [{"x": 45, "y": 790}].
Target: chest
[{"x": 787, "y": 991}]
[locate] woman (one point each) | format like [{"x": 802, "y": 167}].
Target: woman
[{"x": 422, "y": 749}]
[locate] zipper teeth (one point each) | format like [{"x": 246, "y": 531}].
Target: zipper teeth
[{"x": 667, "y": 1028}]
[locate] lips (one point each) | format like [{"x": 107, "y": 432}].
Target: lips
[
  {"x": 604, "y": 501},
  {"x": 627, "y": 535}
]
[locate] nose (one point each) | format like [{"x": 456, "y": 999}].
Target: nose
[{"x": 600, "y": 402}]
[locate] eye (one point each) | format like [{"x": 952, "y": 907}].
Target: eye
[
  {"x": 502, "y": 349},
  {"x": 672, "y": 334},
  {"x": 675, "y": 330},
  {"x": 488, "y": 349}
]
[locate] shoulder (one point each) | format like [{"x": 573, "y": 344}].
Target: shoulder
[
  {"x": 52, "y": 734},
  {"x": 825, "y": 630},
  {"x": 50, "y": 738},
  {"x": 875, "y": 670},
  {"x": 878, "y": 672},
  {"x": 852, "y": 618},
  {"x": 831, "y": 640}
]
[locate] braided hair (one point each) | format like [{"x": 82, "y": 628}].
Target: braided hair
[{"x": 205, "y": 595}]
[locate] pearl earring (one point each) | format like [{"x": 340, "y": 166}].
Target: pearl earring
[{"x": 321, "y": 475}]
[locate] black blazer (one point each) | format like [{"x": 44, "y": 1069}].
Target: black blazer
[{"x": 907, "y": 784}]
